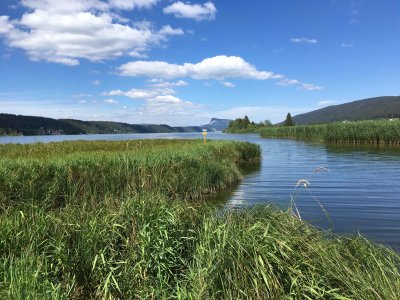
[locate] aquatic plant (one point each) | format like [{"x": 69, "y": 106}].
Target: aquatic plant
[{"x": 367, "y": 132}]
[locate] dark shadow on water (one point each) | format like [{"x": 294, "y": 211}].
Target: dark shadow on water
[
  {"x": 221, "y": 198},
  {"x": 362, "y": 149}
]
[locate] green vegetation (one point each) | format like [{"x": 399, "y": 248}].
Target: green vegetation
[
  {"x": 56, "y": 173},
  {"x": 29, "y": 125},
  {"x": 289, "y": 121},
  {"x": 245, "y": 126},
  {"x": 367, "y": 132},
  {"x": 368, "y": 109},
  {"x": 109, "y": 220}
]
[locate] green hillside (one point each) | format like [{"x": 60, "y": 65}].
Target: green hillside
[
  {"x": 367, "y": 109},
  {"x": 30, "y": 125}
]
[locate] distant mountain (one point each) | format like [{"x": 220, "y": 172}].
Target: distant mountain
[
  {"x": 367, "y": 109},
  {"x": 29, "y": 125},
  {"x": 217, "y": 124}
]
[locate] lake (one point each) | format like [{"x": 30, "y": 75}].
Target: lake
[{"x": 359, "y": 189}]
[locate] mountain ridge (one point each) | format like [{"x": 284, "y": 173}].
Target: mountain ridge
[
  {"x": 383, "y": 107},
  {"x": 34, "y": 125}
]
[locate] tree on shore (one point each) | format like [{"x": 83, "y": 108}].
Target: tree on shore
[
  {"x": 289, "y": 121},
  {"x": 268, "y": 123}
]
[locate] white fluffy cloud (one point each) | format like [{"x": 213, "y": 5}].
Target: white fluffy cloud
[
  {"x": 131, "y": 4},
  {"x": 57, "y": 6},
  {"x": 197, "y": 12},
  {"x": 159, "y": 83},
  {"x": 228, "y": 84},
  {"x": 304, "y": 41},
  {"x": 217, "y": 67},
  {"x": 110, "y": 101},
  {"x": 133, "y": 93},
  {"x": 66, "y": 31},
  {"x": 159, "y": 104},
  {"x": 157, "y": 90}
]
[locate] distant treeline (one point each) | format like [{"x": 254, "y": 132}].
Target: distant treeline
[
  {"x": 29, "y": 125},
  {"x": 244, "y": 125},
  {"x": 368, "y": 132}
]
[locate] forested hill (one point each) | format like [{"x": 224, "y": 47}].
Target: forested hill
[
  {"x": 367, "y": 109},
  {"x": 29, "y": 125}
]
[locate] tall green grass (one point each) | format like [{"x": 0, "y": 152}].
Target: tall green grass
[
  {"x": 150, "y": 247},
  {"x": 143, "y": 241},
  {"x": 55, "y": 173},
  {"x": 368, "y": 132}
]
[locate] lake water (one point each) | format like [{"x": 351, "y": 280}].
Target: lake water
[{"x": 360, "y": 192}]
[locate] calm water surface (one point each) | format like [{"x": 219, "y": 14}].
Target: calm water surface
[{"x": 361, "y": 190}]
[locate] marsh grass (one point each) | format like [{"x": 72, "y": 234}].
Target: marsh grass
[
  {"x": 363, "y": 132},
  {"x": 154, "y": 244},
  {"x": 56, "y": 173},
  {"x": 150, "y": 247}
]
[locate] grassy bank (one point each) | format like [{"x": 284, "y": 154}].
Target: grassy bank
[
  {"x": 56, "y": 173},
  {"x": 367, "y": 132},
  {"x": 143, "y": 241}
]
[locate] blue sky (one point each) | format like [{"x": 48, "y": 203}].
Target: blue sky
[{"x": 181, "y": 63}]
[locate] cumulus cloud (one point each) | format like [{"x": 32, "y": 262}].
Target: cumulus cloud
[
  {"x": 228, "y": 84},
  {"x": 110, "y": 101},
  {"x": 159, "y": 83},
  {"x": 66, "y": 31},
  {"x": 304, "y": 41},
  {"x": 217, "y": 67},
  {"x": 96, "y": 82},
  {"x": 168, "y": 30},
  {"x": 167, "y": 99},
  {"x": 133, "y": 93},
  {"x": 57, "y": 6},
  {"x": 197, "y": 12},
  {"x": 131, "y": 4},
  {"x": 5, "y": 26},
  {"x": 159, "y": 105}
]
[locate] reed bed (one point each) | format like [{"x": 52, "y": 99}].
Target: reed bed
[
  {"x": 150, "y": 247},
  {"x": 363, "y": 132},
  {"x": 154, "y": 244},
  {"x": 55, "y": 173}
]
